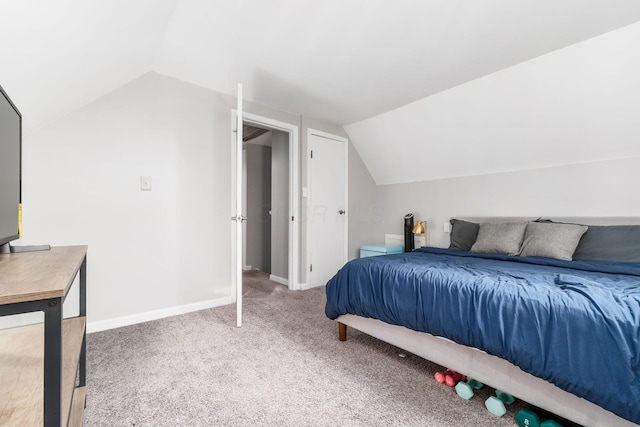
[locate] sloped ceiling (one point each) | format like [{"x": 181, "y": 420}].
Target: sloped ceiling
[
  {"x": 345, "y": 61},
  {"x": 579, "y": 104},
  {"x": 58, "y": 55},
  {"x": 339, "y": 61}
]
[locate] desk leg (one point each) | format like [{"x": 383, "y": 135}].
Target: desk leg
[
  {"x": 82, "y": 366},
  {"x": 53, "y": 363}
]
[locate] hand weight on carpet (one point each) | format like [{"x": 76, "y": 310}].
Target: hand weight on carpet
[
  {"x": 450, "y": 377},
  {"x": 465, "y": 389},
  {"x": 528, "y": 418},
  {"x": 497, "y": 404}
]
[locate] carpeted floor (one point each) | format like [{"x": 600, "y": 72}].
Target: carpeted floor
[{"x": 284, "y": 367}]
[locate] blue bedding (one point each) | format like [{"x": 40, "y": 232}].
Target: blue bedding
[{"x": 575, "y": 324}]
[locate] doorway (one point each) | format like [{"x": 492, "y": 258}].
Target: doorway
[
  {"x": 285, "y": 269},
  {"x": 266, "y": 200}
]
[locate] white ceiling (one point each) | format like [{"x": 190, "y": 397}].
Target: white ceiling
[
  {"x": 575, "y": 105},
  {"x": 344, "y": 61},
  {"x": 340, "y": 61},
  {"x": 58, "y": 55}
]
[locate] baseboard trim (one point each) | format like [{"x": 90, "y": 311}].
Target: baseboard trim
[
  {"x": 307, "y": 286},
  {"x": 279, "y": 279},
  {"x": 147, "y": 316}
]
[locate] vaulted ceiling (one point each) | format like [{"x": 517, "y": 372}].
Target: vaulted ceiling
[
  {"x": 335, "y": 60},
  {"x": 341, "y": 61}
]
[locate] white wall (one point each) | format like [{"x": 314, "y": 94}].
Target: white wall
[
  {"x": 554, "y": 136},
  {"x": 150, "y": 253},
  {"x": 258, "y": 225},
  {"x": 574, "y": 105},
  {"x": 365, "y": 213},
  {"x": 280, "y": 204},
  {"x": 604, "y": 188},
  {"x": 147, "y": 250}
]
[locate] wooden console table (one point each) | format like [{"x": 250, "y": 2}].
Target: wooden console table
[{"x": 43, "y": 366}]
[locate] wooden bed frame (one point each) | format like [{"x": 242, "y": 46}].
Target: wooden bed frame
[{"x": 491, "y": 370}]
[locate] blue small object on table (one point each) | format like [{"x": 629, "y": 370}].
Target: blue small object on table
[{"x": 375, "y": 250}]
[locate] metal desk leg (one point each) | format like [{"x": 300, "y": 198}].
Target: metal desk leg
[
  {"x": 82, "y": 365},
  {"x": 53, "y": 363}
]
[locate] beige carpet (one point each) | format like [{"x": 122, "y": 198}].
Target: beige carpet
[{"x": 284, "y": 367}]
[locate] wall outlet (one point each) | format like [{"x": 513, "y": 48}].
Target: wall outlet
[
  {"x": 145, "y": 183},
  {"x": 447, "y": 227}
]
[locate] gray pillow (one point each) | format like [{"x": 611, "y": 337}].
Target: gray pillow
[
  {"x": 551, "y": 240},
  {"x": 619, "y": 243},
  {"x": 503, "y": 238},
  {"x": 463, "y": 234}
]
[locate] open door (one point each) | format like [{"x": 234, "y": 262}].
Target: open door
[{"x": 238, "y": 218}]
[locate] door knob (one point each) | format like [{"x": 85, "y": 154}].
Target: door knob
[{"x": 341, "y": 212}]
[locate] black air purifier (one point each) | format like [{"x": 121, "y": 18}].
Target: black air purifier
[{"x": 408, "y": 232}]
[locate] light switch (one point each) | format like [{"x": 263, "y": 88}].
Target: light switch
[
  {"x": 145, "y": 183},
  {"x": 447, "y": 227}
]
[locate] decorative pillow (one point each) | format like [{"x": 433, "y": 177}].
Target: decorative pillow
[
  {"x": 500, "y": 238},
  {"x": 551, "y": 240},
  {"x": 618, "y": 243},
  {"x": 463, "y": 234}
]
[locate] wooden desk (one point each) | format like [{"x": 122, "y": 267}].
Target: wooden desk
[{"x": 39, "y": 363}]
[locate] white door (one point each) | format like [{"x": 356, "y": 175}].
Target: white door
[
  {"x": 237, "y": 217},
  {"x": 327, "y": 216}
]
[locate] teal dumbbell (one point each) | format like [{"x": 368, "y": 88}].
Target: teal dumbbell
[
  {"x": 527, "y": 418},
  {"x": 497, "y": 404},
  {"x": 465, "y": 389}
]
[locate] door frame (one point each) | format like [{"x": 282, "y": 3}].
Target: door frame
[
  {"x": 294, "y": 185},
  {"x": 344, "y": 140}
]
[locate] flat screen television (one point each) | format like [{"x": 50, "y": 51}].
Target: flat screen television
[{"x": 10, "y": 168}]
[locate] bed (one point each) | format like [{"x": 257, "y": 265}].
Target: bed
[{"x": 560, "y": 334}]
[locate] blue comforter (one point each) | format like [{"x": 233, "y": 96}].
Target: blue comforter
[{"x": 573, "y": 323}]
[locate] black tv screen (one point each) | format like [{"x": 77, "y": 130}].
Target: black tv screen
[{"x": 10, "y": 168}]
